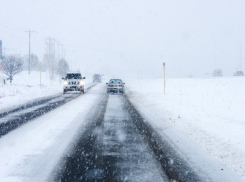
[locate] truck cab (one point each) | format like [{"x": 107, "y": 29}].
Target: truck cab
[
  {"x": 97, "y": 78},
  {"x": 73, "y": 82}
]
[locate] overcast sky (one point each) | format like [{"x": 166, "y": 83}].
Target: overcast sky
[{"x": 131, "y": 37}]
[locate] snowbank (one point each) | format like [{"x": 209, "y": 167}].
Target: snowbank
[
  {"x": 209, "y": 112},
  {"x": 26, "y": 87}
]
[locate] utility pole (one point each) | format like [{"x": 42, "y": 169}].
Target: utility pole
[
  {"x": 29, "y": 48},
  {"x": 50, "y": 52}
]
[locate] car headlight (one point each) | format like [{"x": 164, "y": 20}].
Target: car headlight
[
  {"x": 81, "y": 82},
  {"x": 65, "y": 83}
]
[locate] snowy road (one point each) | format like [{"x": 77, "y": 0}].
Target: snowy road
[
  {"x": 117, "y": 145},
  {"x": 99, "y": 137},
  {"x": 93, "y": 137}
]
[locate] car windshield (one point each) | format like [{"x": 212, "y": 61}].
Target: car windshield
[
  {"x": 74, "y": 76},
  {"x": 115, "y": 81}
]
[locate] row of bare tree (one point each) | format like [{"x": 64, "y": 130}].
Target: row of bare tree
[{"x": 13, "y": 65}]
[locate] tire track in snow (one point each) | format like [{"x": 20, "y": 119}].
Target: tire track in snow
[{"x": 119, "y": 145}]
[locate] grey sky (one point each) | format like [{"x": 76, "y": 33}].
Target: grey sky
[{"x": 131, "y": 37}]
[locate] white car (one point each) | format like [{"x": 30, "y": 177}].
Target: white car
[
  {"x": 73, "y": 82},
  {"x": 115, "y": 86}
]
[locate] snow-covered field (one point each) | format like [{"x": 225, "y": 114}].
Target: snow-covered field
[
  {"x": 206, "y": 112},
  {"x": 209, "y": 112},
  {"x": 26, "y": 87}
]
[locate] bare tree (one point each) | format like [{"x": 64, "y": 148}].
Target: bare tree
[
  {"x": 34, "y": 62},
  {"x": 11, "y": 66},
  {"x": 62, "y": 67},
  {"x": 50, "y": 64},
  {"x": 49, "y": 60}
]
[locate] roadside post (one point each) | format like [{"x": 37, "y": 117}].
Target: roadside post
[
  {"x": 40, "y": 69},
  {"x": 2, "y": 58},
  {"x": 164, "y": 76},
  {"x": 2, "y": 73}
]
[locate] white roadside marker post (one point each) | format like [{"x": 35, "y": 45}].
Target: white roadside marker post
[
  {"x": 2, "y": 73},
  {"x": 40, "y": 69},
  {"x": 164, "y": 76},
  {"x": 2, "y": 58}
]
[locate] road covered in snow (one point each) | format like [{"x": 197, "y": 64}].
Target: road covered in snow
[
  {"x": 94, "y": 137},
  {"x": 141, "y": 136},
  {"x": 119, "y": 146}
]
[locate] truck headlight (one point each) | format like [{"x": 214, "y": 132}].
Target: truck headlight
[
  {"x": 65, "y": 83},
  {"x": 81, "y": 82}
]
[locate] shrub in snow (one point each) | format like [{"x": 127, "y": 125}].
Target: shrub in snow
[{"x": 11, "y": 66}]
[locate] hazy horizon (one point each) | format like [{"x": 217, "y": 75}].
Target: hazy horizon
[{"x": 131, "y": 38}]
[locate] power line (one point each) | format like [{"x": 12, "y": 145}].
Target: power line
[
  {"x": 11, "y": 34},
  {"x": 13, "y": 26}
]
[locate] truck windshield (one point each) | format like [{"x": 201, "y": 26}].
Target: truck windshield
[{"x": 74, "y": 76}]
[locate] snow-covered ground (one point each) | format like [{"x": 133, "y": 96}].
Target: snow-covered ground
[
  {"x": 31, "y": 152},
  {"x": 209, "y": 112},
  {"x": 26, "y": 87}
]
